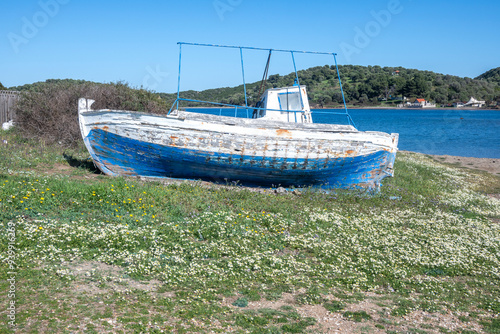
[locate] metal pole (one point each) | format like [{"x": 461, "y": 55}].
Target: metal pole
[
  {"x": 179, "y": 77},
  {"x": 298, "y": 83},
  {"x": 349, "y": 119},
  {"x": 243, "y": 73},
  {"x": 252, "y": 48}
]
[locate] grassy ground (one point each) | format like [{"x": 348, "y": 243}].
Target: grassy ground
[{"x": 94, "y": 254}]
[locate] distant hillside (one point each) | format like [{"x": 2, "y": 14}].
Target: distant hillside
[
  {"x": 38, "y": 86},
  {"x": 363, "y": 86},
  {"x": 492, "y": 75}
]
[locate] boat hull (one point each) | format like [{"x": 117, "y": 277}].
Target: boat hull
[{"x": 134, "y": 144}]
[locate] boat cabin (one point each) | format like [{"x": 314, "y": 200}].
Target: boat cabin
[{"x": 287, "y": 104}]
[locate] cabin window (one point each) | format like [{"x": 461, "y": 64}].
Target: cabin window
[{"x": 289, "y": 101}]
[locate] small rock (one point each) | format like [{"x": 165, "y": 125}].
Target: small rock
[{"x": 280, "y": 190}]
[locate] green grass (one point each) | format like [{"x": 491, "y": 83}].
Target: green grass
[
  {"x": 101, "y": 254},
  {"x": 357, "y": 316},
  {"x": 334, "y": 306}
]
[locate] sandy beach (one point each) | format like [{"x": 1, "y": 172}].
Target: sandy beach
[{"x": 489, "y": 165}]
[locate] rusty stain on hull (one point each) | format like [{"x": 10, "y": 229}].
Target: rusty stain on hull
[{"x": 284, "y": 133}]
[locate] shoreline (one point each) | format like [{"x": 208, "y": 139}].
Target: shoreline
[
  {"x": 396, "y": 108},
  {"x": 363, "y": 107},
  {"x": 489, "y": 165}
]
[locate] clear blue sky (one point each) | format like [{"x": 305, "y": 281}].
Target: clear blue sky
[{"x": 136, "y": 41}]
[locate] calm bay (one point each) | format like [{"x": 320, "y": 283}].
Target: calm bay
[{"x": 460, "y": 132}]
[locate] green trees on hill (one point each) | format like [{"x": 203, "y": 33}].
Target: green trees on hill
[
  {"x": 492, "y": 75},
  {"x": 2, "y": 87},
  {"x": 364, "y": 86}
]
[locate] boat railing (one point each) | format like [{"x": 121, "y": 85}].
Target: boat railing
[{"x": 248, "y": 109}]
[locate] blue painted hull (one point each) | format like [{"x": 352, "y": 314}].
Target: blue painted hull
[{"x": 119, "y": 155}]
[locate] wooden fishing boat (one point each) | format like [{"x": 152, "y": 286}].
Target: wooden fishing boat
[{"x": 278, "y": 145}]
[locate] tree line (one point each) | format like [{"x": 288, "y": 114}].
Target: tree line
[{"x": 362, "y": 85}]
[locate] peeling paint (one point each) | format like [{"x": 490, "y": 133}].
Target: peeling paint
[{"x": 192, "y": 145}]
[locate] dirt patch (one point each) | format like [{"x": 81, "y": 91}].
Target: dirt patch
[
  {"x": 381, "y": 320},
  {"x": 81, "y": 268},
  {"x": 61, "y": 169},
  {"x": 97, "y": 277},
  {"x": 335, "y": 322},
  {"x": 450, "y": 321}
]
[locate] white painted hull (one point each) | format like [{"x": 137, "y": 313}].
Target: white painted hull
[{"x": 253, "y": 151}]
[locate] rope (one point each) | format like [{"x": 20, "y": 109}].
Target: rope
[{"x": 264, "y": 77}]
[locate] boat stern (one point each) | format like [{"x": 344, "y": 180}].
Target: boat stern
[{"x": 85, "y": 106}]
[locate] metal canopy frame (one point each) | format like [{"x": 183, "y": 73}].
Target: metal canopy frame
[{"x": 241, "y": 48}]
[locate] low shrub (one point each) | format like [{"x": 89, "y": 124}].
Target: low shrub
[{"x": 50, "y": 112}]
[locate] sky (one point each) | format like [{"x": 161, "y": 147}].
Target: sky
[{"x": 136, "y": 41}]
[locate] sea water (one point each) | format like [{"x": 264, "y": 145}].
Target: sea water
[{"x": 460, "y": 132}]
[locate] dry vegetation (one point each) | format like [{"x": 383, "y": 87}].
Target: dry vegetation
[{"x": 50, "y": 112}]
